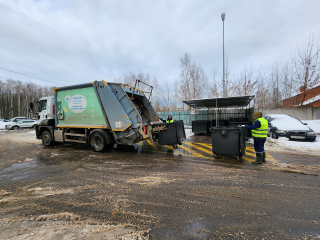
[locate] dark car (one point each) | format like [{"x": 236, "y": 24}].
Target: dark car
[{"x": 281, "y": 125}]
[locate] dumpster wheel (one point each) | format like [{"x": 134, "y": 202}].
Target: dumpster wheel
[
  {"x": 239, "y": 160},
  {"x": 216, "y": 156},
  {"x": 175, "y": 146}
]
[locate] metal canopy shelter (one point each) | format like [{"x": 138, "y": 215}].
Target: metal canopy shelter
[{"x": 227, "y": 102}]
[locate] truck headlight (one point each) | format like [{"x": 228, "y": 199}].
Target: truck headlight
[
  {"x": 311, "y": 133},
  {"x": 281, "y": 132}
]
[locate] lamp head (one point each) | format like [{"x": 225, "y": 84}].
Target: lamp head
[{"x": 223, "y": 16}]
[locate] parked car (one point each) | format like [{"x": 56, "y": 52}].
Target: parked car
[
  {"x": 17, "y": 119},
  {"x": 4, "y": 120},
  {"x": 281, "y": 125},
  {"x": 21, "y": 124}
]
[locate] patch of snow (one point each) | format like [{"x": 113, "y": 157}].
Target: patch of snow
[
  {"x": 284, "y": 143},
  {"x": 277, "y": 115},
  {"x": 2, "y": 125},
  {"x": 187, "y": 127},
  {"x": 32, "y": 132},
  {"x": 250, "y": 140},
  {"x": 188, "y": 132},
  {"x": 313, "y": 124},
  {"x": 286, "y": 123}
]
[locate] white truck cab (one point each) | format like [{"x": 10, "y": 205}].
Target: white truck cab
[{"x": 46, "y": 108}]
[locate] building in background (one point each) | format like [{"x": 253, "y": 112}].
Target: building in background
[{"x": 311, "y": 99}]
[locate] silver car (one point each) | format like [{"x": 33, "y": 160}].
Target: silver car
[
  {"x": 21, "y": 124},
  {"x": 281, "y": 125}
]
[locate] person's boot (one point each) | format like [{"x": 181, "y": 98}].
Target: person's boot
[
  {"x": 258, "y": 160},
  {"x": 264, "y": 157}
]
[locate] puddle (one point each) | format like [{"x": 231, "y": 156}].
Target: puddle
[
  {"x": 197, "y": 230},
  {"x": 20, "y": 170},
  {"x": 19, "y": 166}
]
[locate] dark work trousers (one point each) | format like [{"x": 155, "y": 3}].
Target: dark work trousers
[{"x": 258, "y": 144}]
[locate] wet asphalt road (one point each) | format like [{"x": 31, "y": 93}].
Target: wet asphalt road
[{"x": 176, "y": 194}]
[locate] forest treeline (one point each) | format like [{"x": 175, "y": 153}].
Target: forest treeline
[
  {"x": 270, "y": 83},
  {"x": 15, "y": 97}
]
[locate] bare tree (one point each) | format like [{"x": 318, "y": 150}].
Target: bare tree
[
  {"x": 193, "y": 82},
  {"x": 229, "y": 83},
  {"x": 263, "y": 92},
  {"x": 246, "y": 82},
  {"x": 307, "y": 67},
  {"x": 215, "y": 88},
  {"x": 287, "y": 83},
  {"x": 275, "y": 83},
  {"x": 131, "y": 78}
]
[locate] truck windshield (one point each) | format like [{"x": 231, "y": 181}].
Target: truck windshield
[{"x": 42, "y": 105}]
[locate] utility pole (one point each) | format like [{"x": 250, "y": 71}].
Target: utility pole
[{"x": 223, "y": 16}]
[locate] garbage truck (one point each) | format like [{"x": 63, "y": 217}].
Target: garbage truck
[{"x": 102, "y": 114}]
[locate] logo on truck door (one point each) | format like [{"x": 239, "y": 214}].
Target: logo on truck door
[{"x": 78, "y": 103}]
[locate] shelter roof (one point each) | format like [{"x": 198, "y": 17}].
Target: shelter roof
[{"x": 226, "y": 102}]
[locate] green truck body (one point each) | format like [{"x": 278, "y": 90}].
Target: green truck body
[{"x": 102, "y": 114}]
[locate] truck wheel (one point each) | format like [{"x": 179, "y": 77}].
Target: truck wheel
[
  {"x": 98, "y": 142},
  {"x": 46, "y": 138}
]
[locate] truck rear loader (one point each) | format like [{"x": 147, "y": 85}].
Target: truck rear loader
[{"x": 102, "y": 114}]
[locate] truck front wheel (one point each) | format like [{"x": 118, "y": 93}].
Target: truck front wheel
[
  {"x": 98, "y": 142},
  {"x": 46, "y": 138}
]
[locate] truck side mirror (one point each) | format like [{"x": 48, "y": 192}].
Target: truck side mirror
[{"x": 31, "y": 107}]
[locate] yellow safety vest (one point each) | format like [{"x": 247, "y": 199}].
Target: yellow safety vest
[
  {"x": 169, "y": 121},
  {"x": 262, "y": 131}
]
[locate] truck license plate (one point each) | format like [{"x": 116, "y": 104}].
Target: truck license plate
[{"x": 298, "y": 137}]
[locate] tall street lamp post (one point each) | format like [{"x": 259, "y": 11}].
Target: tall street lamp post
[{"x": 223, "y": 16}]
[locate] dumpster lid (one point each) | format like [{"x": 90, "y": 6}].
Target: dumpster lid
[{"x": 226, "y": 102}]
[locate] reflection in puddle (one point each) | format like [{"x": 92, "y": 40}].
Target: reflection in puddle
[
  {"x": 19, "y": 166},
  {"x": 19, "y": 171},
  {"x": 197, "y": 229}
]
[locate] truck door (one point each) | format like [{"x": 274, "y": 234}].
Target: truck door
[{"x": 42, "y": 110}]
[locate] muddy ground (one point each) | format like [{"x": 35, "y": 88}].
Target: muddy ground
[{"x": 68, "y": 191}]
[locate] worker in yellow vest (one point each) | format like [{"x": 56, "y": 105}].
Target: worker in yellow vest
[
  {"x": 259, "y": 131},
  {"x": 169, "y": 119}
]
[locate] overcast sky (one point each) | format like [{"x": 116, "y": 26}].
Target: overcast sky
[{"x": 78, "y": 41}]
